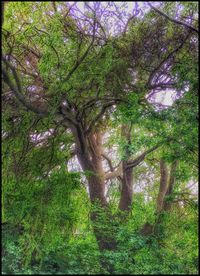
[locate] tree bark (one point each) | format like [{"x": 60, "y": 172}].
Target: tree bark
[
  {"x": 163, "y": 186},
  {"x": 91, "y": 161},
  {"x": 165, "y": 189},
  {"x": 167, "y": 204},
  {"x": 127, "y": 188},
  {"x": 95, "y": 182},
  {"x": 127, "y": 178},
  {"x": 89, "y": 153}
]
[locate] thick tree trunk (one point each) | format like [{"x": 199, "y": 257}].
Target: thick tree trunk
[
  {"x": 91, "y": 162},
  {"x": 95, "y": 180},
  {"x": 127, "y": 178},
  {"x": 89, "y": 153},
  {"x": 127, "y": 188}
]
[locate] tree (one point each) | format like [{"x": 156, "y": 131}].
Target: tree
[{"x": 65, "y": 75}]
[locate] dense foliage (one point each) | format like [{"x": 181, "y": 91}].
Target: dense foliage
[{"x": 99, "y": 173}]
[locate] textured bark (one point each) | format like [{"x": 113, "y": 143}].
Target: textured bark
[
  {"x": 128, "y": 166},
  {"x": 89, "y": 156},
  {"x": 127, "y": 188},
  {"x": 89, "y": 153},
  {"x": 127, "y": 174},
  {"x": 163, "y": 186},
  {"x": 166, "y": 189},
  {"x": 95, "y": 181},
  {"x": 172, "y": 179}
]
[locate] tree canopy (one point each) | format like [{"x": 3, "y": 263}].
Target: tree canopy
[{"x": 100, "y": 137}]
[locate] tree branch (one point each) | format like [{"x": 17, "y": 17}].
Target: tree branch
[
  {"x": 174, "y": 20},
  {"x": 83, "y": 56},
  {"x": 99, "y": 115},
  {"x": 170, "y": 55},
  {"x": 18, "y": 90},
  {"x": 140, "y": 158},
  {"x": 115, "y": 173},
  {"x": 108, "y": 160}
]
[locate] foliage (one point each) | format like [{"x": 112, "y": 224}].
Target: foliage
[
  {"x": 135, "y": 254},
  {"x": 73, "y": 81}
]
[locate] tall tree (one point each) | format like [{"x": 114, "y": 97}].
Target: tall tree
[{"x": 64, "y": 73}]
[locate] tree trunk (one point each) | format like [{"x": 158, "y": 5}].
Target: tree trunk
[
  {"x": 95, "y": 180},
  {"x": 89, "y": 152},
  {"x": 168, "y": 203},
  {"x": 163, "y": 186},
  {"x": 166, "y": 189},
  {"x": 147, "y": 228},
  {"x": 127, "y": 178},
  {"x": 127, "y": 188},
  {"x": 91, "y": 162}
]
